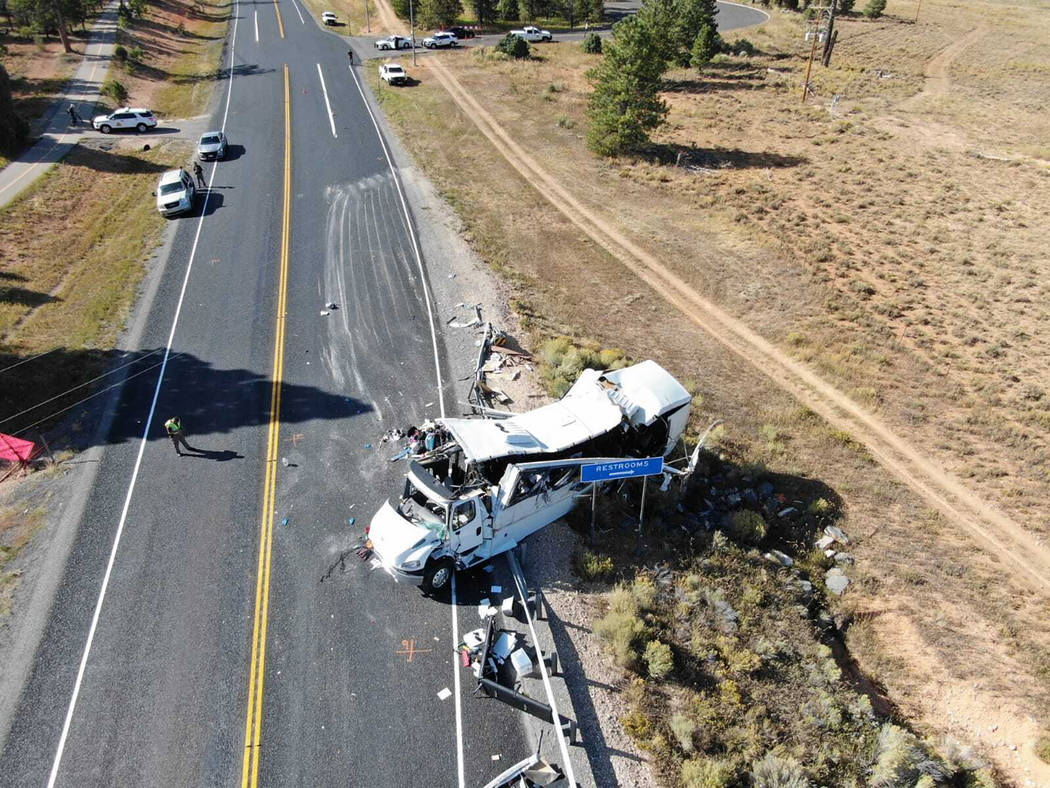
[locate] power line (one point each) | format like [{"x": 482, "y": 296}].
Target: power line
[{"x": 85, "y": 399}]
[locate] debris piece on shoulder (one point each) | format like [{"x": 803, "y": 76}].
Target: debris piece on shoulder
[
  {"x": 445, "y": 694},
  {"x": 325, "y": 312}
]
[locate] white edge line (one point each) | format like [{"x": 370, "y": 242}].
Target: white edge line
[
  {"x": 138, "y": 460},
  {"x": 519, "y": 579},
  {"x": 749, "y": 7},
  {"x": 455, "y": 678},
  {"x": 415, "y": 242},
  {"x": 296, "y": 6},
  {"x": 331, "y": 117},
  {"x": 441, "y": 400},
  {"x": 256, "y": 27}
]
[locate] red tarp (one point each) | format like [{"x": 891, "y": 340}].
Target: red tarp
[{"x": 15, "y": 449}]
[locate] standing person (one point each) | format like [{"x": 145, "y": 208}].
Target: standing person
[
  {"x": 177, "y": 434},
  {"x": 350, "y": 54},
  {"x": 199, "y": 173},
  {"x": 73, "y": 117}
]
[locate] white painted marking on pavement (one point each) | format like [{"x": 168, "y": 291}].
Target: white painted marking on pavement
[
  {"x": 256, "y": 27},
  {"x": 519, "y": 580},
  {"x": 415, "y": 243},
  {"x": 296, "y": 6},
  {"x": 441, "y": 397},
  {"x": 142, "y": 448},
  {"x": 331, "y": 117},
  {"x": 459, "y": 703}
]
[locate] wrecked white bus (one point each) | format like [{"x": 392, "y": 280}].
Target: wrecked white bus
[{"x": 496, "y": 480}]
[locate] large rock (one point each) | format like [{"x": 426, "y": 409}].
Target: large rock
[
  {"x": 837, "y": 534},
  {"x": 777, "y": 557},
  {"x": 836, "y": 581}
]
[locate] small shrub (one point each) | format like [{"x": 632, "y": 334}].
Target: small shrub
[
  {"x": 1042, "y": 747},
  {"x": 659, "y": 659},
  {"x": 621, "y": 628},
  {"x": 592, "y": 44},
  {"x": 747, "y": 526},
  {"x": 637, "y": 726},
  {"x": 742, "y": 45},
  {"x": 566, "y": 123},
  {"x": 683, "y": 728},
  {"x": 707, "y": 773},
  {"x": 136, "y": 54},
  {"x": 592, "y": 566},
  {"x": 115, "y": 90},
  {"x": 514, "y": 46},
  {"x": 901, "y": 759},
  {"x": 644, "y": 591},
  {"x": 181, "y": 29},
  {"x": 874, "y": 9},
  {"x": 120, "y": 52},
  {"x": 776, "y": 772},
  {"x": 846, "y": 6}
]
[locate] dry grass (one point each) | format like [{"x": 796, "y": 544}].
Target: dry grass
[
  {"x": 351, "y": 14},
  {"x": 182, "y": 44},
  {"x": 72, "y": 285},
  {"x": 892, "y": 239},
  {"x": 38, "y": 70}
]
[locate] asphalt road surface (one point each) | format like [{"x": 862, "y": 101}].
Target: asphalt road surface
[{"x": 214, "y": 593}]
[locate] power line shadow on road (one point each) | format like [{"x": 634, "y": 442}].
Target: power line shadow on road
[{"x": 64, "y": 393}]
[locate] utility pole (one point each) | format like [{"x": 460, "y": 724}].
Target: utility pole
[
  {"x": 412, "y": 23},
  {"x": 368, "y": 23},
  {"x": 829, "y": 38},
  {"x": 917, "y": 7},
  {"x": 809, "y": 66}
]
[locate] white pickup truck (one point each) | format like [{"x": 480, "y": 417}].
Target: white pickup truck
[
  {"x": 495, "y": 481},
  {"x": 533, "y": 34}
]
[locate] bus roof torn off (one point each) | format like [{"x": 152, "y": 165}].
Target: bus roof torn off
[{"x": 489, "y": 482}]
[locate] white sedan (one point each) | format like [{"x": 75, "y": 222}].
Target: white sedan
[{"x": 329, "y": 18}]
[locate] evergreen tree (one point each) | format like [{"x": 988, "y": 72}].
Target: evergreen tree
[
  {"x": 400, "y": 8},
  {"x": 44, "y": 14},
  {"x": 484, "y": 10},
  {"x": 874, "y": 8},
  {"x": 692, "y": 16},
  {"x": 595, "y": 10},
  {"x": 438, "y": 13},
  {"x": 13, "y": 129},
  {"x": 625, "y": 104},
  {"x": 661, "y": 19},
  {"x": 508, "y": 10},
  {"x": 705, "y": 47}
]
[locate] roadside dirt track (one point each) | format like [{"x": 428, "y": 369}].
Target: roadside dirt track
[{"x": 990, "y": 528}]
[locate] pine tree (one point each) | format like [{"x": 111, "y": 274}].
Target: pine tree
[
  {"x": 625, "y": 104},
  {"x": 705, "y": 47},
  {"x": 438, "y": 13},
  {"x": 691, "y": 18},
  {"x": 13, "y": 129},
  {"x": 508, "y": 10},
  {"x": 661, "y": 19},
  {"x": 484, "y": 10}
]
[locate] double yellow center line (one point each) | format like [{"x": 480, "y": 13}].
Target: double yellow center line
[{"x": 250, "y": 767}]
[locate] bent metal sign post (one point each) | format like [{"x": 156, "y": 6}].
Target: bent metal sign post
[{"x": 621, "y": 469}]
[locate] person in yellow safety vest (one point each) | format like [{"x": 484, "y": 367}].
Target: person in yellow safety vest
[{"x": 177, "y": 434}]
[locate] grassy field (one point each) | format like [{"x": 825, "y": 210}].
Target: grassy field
[
  {"x": 38, "y": 70},
  {"x": 181, "y": 44},
  {"x": 887, "y": 233},
  {"x": 74, "y": 247}
]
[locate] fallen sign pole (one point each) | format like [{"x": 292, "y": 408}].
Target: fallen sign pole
[{"x": 622, "y": 469}]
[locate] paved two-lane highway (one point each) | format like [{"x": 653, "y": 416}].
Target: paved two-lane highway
[{"x": 212, "y": 595}]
